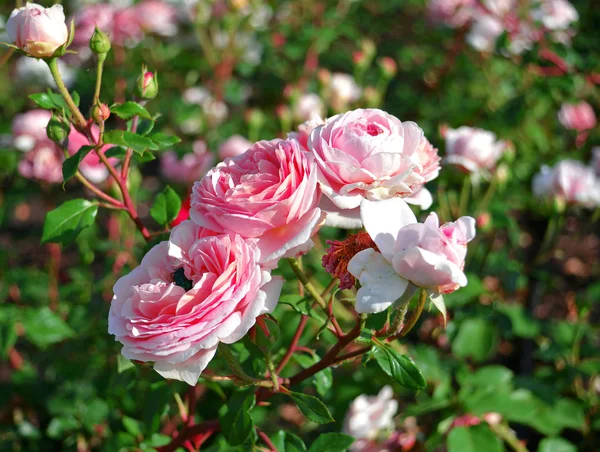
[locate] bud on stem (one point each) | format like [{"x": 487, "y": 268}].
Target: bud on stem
[
  {"x": 100, "y": 43},
  {"x": 58, "y": 129},
  {"x": 146, "y": 85}
]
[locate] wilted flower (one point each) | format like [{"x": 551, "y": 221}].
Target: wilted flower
[{"x": 339, "y": 253}]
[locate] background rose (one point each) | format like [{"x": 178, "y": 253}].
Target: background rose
[
  {"x": 307, "y": 107},
  {"x": 187, "y": 295},
  {"x": 368, "y": 416},
  {"x": 29, "y": 129},
  {"x": 472, "y": 149},
  {"x": 91, "y": 166},
  {"x": 233, "y": 146},
  {"x": 569, "y": 180},
  {"x": 366, "y": 154},
  {"x": 453, "y": 13},
  {"x": 191, "y": 167},
  {"x": 578, "y": 116},
  {"x": 42, "y": 163},
  {"x": 555, "y": 14},
  {"x": 427, "y": 255},
  {"x": 270, "y": 192},
  {"x": 36, "y": 30}
]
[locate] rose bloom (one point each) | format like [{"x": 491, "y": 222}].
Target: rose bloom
[
  {"x": 29, "y": 129},
  {"x": 595, "y": 163},
  {"x": 555, "y": 14},
  {"x": 91, "y": 166},
  {"x": 474, "y": 150},
  {"x": 453, "y": 13},
  {"x": 365, "y": 154},
  {"x": 191, "y": 167},
  {"x": 578, "y": 116},
  {"x": 157, "y": 17},
  {"x": 43, "y": 163},
  {"x": 569, "y": 180},
  {"x": 302, "y": 134},
  {"x": 429, "y": 167},
  {"x": 233, "y": 146},
  {"x": 484, "y": 32},
  {"x": 187, "y": 295},
  {"x": 36, "y": 30},
  {"x": 370, "y": 416},
  {"x": 307, "y": 107},
  {"x": 427, "y": 255},
  {"x": 269, "y": 193},
  {"x": 343, "y": 90}
]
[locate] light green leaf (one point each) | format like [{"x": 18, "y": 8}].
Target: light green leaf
[{"x": 63, "y": 224}]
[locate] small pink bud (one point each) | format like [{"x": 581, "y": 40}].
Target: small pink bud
[
  {"x": 147, "y": 84},
  {"x": 388, "y": 66},
  {"x": 484, "y": 220}
]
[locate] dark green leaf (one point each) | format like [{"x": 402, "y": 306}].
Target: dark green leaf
[
  {"x": 166, "y": 206},
  {"x": 164, "y": 141},
  {"x": 476, "y": 338},
  {"x": 43, "y": 327},
  {"x": 71, "y": 165},
  {"x": 400, "y": 367},
  {"x": 331, "y": 441},
  {"x": 236, "y": 423},
  {"x": 288, "y": 442},
  {"x": 312, "y": 408},
  {"x": 556, "y": 445},
  {"x": 65, "y": 222},
  {"x": 130, "y": 109},
  {"x": 131, "y": 140}
]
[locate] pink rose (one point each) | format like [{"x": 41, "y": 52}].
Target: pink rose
[
  {"x": 427, "y": 255},
  {"x": 555, "y": 14},
  {"x": 29, "y": 129},
  {"x": 191, "y": 167},
  {"x": 91, "y": 166},
  {"x": 365, "y": 154},
  {"x": 570, "y": 181},
  {"x": 429, "y": 168},
  {"x": 36, "y": 30},
  {"x": 233, "y": 146},
  {"x": 578, "y": 117},
  {"x": 484, "y": 32},
  {"x": 370, "y": 416},
  {"x": 269, "y": 193},
  {"x": 474, "y": 150},
  {"x": 343, "y": 91},
  {"x": 453, "y": 13},
  {"x": 121, "y": 25},
  {"x": 157, "y": 17},
  {"x": 187, "y": 295},
  {"x": 43, "y": 163},
  {"x": 303, "y": 133}
]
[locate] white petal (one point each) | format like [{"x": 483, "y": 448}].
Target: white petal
[
  {"x": 340, "y": 218},
  {"x": 381, "y": 285},
  {"x": 189, "y": 370},
  {"x": 273, "y": 290},
  {"x": 421, "y": 198},
  {"x": 383, "y": 220}
]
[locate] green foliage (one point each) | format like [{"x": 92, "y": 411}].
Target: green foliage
[
  {"x": 312, "y": 408},
  {"x": 63, "y": 224},
  {"x": 166, "y": 206}
]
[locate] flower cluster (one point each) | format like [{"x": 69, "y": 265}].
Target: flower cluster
[
  {"x": 524, "y": 23},
  {"x": 211, "y": 279}
]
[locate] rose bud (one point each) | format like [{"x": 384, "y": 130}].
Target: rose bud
[
  {"x": 146, "y": 85},
  {"x": 100, "y": 112},
  {"x": 388, "y": 66},
  {"x": 578, "y": 117},
  {"x": 99, "y": 42},
  {"x": 36, "y": 30},
  {"x": 57, "y": 129}
]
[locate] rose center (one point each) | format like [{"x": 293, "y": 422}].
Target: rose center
[
  {"x": 374, "y": 129},
  {"x": 181, "y": 280},
  {"x": 35, "y": 12}
]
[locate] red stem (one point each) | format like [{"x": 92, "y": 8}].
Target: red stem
[
  {"x": 190, "y": 432},
  {"x": 293, "y": 345},
  {"x": 266, "y": 440}
]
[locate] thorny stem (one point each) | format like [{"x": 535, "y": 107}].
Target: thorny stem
[
  {"x": 129, "y": 154},
  {"x": 272, "y": 372}
]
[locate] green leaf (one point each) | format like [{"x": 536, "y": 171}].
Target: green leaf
[
  {"x": 129, "y": 140},
  {"x": 166, "y": 206},
  {"x": 477, "y": 339},
  {"x": 123, "y": 364},
  {"x": 116, "y": 151},
  {"x": 44, "y": 328},
  {"x": 312, "y": 408},
  {"x": 236, "y": 423},
  {"x": 71, "y": 165},
  {"x": 164, "y": 141},
  {"x": 400, "y": 367},
  {"x": 288, "y": 442},
  {"x": 132, "y": 426},
  {"x": 63, "y": 224},
  {"x": 130, "y": 109},
  {"x": 473, "y": 439},
  {"x": 323, "y": 380},
  {"x": 331, "y": 441},
  {"x": 48, "y": 101},
  {"x": 556, "y": 445}
]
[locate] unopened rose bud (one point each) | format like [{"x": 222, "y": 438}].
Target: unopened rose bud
[
  {"x": 368, "y": 48},
  {"x": 255, "y": 118},
  {"x": 36, "y": 30},
  {"x": 484, "y": 221},
  {"x": 324, "y": 76},
  {"x": 57, "y": 129},
  {"x": 388, "y": 67},
  {"x": 99, "y": 42},
  {"x": 100, "y": 112},
  {"x": 146, "y": 85}
]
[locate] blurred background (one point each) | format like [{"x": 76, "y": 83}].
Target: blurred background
[{"x": 521, "y": 339}]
